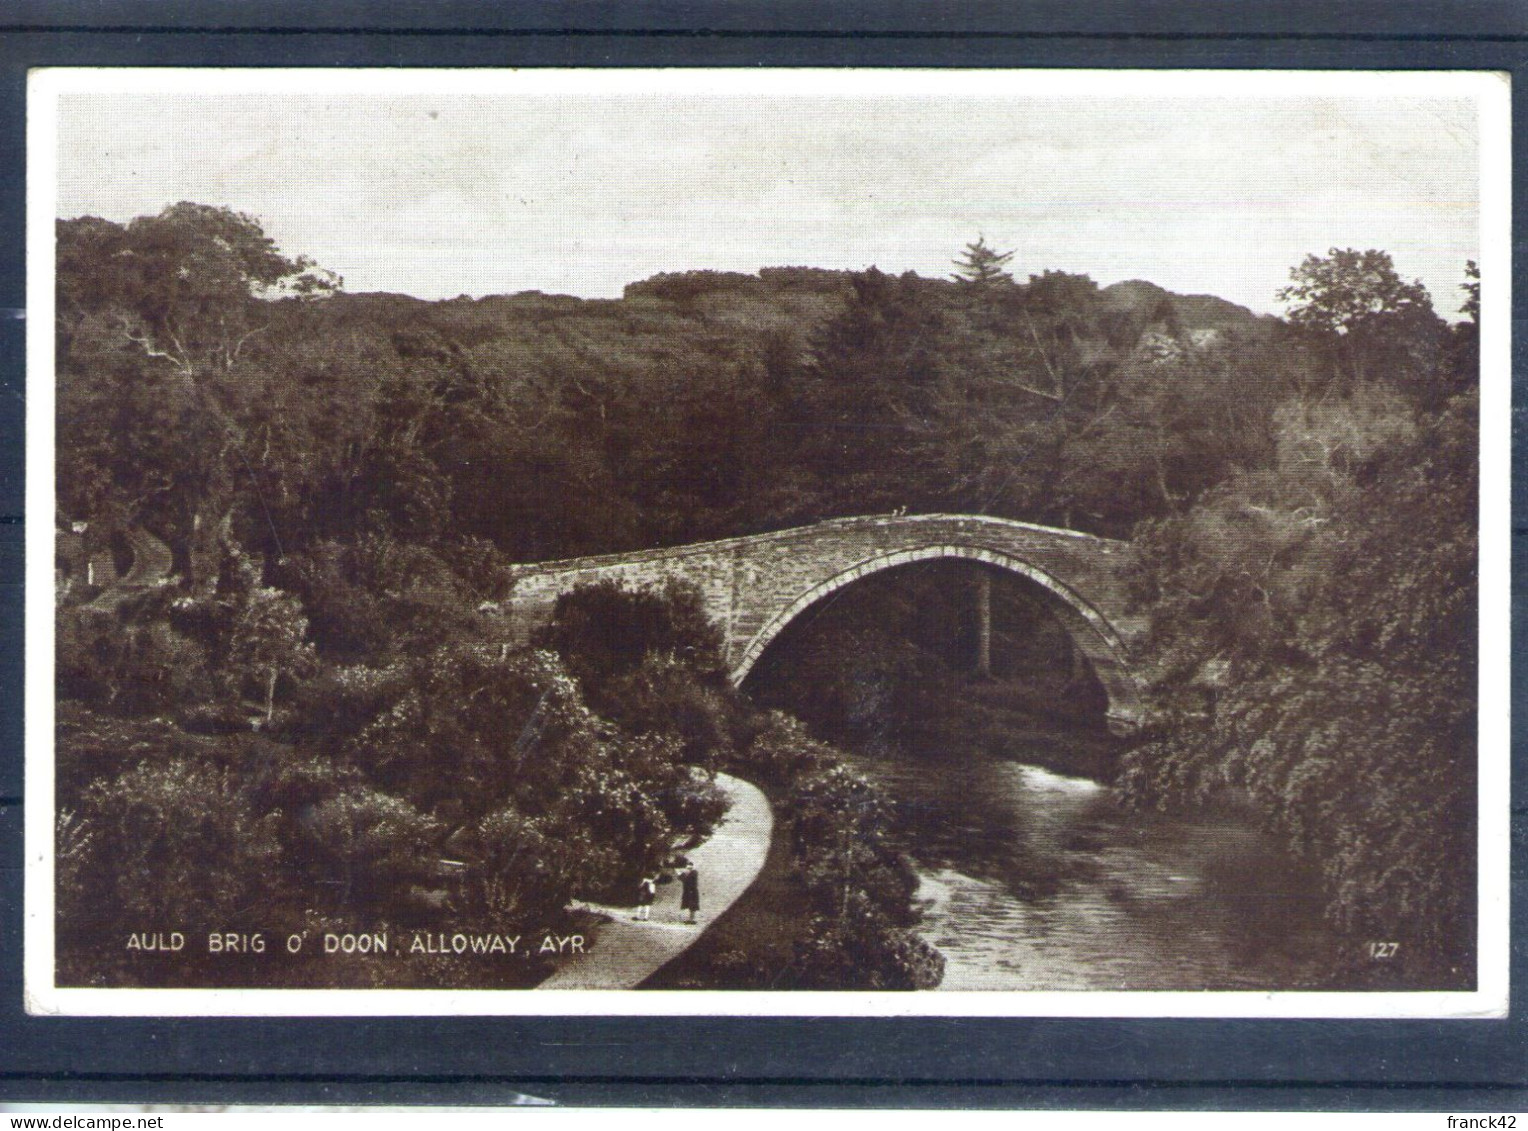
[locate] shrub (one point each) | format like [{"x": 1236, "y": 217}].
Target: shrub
[
  {"x": 605, "y": 631},
  {"x": 178, "y": 842},
  {"x": 526, "y": 868},
  {"x": 694, "y": 804},
  {"x": 364, "y": 849},
  {"x": 862, "y": 952},
  {"x": 129, "y": 668},
  {"x": 781, "y": 752}
]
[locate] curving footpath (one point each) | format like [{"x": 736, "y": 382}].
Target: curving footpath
[{"x": 624, "y": 953}]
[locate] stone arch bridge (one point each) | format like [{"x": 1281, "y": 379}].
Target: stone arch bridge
[{"x": 754, "y": 586}]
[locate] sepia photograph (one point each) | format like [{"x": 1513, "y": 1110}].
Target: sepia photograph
[{"x": 871, "y": 542}]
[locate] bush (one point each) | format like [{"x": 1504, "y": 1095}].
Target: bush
[
  {"x": 862, "y": 952},
  {"x": 694, "y": 804},
  {"x": 663, "y": 697},
  {"x": 605, "y": 631},
  {"x": 526, "y": 869},
  {"x": 475, "y": 738},
  {"x": 781, "y": 752},
  {"x": 128, "y": 668},
  {"x": 476, "y": 731},
  {"x": 178, "y": 842},
  {"x": 363, "y": 850},
  {"x": 95, "y": 747},
  {"x": 339, "y": 702}
]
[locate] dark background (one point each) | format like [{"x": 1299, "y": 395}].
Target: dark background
[{"x": 1457, "y": 1066}]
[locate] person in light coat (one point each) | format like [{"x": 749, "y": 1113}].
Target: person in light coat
[{"x": 647, "y": 892}]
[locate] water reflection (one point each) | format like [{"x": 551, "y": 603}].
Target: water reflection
[{"x": 1038, "y": 880}]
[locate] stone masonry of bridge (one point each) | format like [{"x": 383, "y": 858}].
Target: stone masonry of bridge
[{"x": 754, "y": 586}]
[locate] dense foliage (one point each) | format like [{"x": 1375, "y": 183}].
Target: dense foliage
[
  {"x": 317, "y": 699},
  {"x": 834, "y": 906},
  {"x": 656, "y": 661},
  {"x": 1315, "y": 627}
]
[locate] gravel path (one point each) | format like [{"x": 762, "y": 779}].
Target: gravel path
[{"x": 624, "y": 952}]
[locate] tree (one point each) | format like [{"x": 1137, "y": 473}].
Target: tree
[
  {"x": 604, "y": 631},
  {"x": 1471, "y": 289},
  {"x": 859, "y": 888},
  {"x": 1383, "y": 326},
  {"x": 181, "y": 285},
  {"x": 1347, "y": 289},
  {"x": 982, "y": 265},
  {"x": 649, "y": 660},
  {"x": 1464, "y": 352},
  {"x": 268, "y": 642},
  {"x": 154, "y": 318},
  {"x": 872, "y": 416},
  {"x": 1313, "y": 639}
]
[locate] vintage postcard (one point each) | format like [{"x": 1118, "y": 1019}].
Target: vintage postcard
[{"x": 768, "y": 542}]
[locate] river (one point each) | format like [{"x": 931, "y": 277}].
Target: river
[{"x": 1036, "y": 880}]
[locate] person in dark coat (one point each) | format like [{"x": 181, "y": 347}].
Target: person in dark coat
[{"x": 689, "y": 891}]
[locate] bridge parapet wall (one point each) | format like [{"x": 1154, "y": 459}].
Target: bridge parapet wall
[
  {"x": 748, "y": 583},
  {"x": 537, "y": 588},
  {"x": 777, "y": 570}
]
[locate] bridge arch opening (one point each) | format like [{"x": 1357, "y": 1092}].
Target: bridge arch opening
[{"x": 1089, "y": 632}]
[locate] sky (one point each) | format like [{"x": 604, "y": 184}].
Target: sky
[{"x": 580, "y": 183}]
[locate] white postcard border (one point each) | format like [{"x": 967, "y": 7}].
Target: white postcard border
[{"x": 1492, "y": 94}]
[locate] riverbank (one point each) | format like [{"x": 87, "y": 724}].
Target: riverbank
[{"x": 624, "y": 952}]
